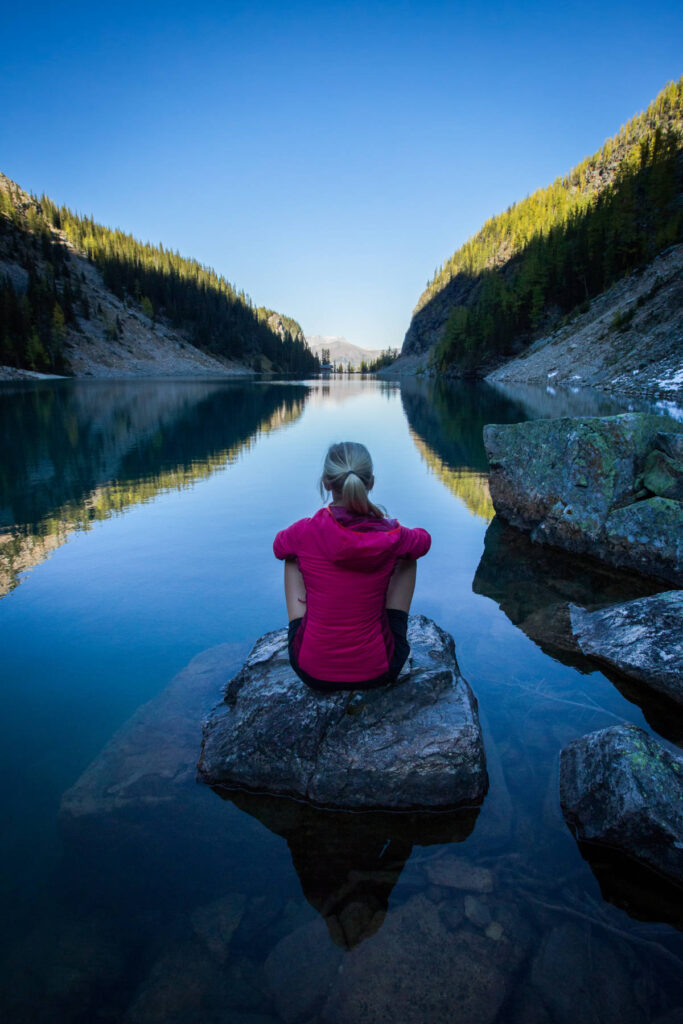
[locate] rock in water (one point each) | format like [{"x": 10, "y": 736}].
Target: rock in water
[
  {"x": 578, "y": 484},
  {"x": 621, "y": 788},
  {"x": 642, "y": 638},
  {"x": 414, "y": 744}
]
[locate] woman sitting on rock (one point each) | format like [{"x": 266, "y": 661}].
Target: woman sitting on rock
[{"x": 352, "y": 571}]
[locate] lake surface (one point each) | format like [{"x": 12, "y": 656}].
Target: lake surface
[{"x": 136, "y": 522}]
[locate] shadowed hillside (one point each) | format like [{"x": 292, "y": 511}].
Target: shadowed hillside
[{"x": 79, "y": 297}]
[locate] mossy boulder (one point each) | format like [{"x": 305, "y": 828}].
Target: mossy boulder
[
  {"x": 564, "y": 481},
  {"x": 646, "y": 536},
  {"x": 621, "y": 788},
  {"x": 663, "y": 475}
]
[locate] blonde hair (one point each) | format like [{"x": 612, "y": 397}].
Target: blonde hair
[{"x": 347, "y": 472}]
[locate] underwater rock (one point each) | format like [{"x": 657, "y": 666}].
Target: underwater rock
[
  {"x": 392, "y": 977},
  {"x": 642, "y": 638},
  {"x": 577, "y": 974},
  {"x": 621, "y": 788},
  {"x": 215, "y": 923},
  {"x": 569, "y": 482},
  {"x": 416, "y": 743},
  {"x": 300, "y": 970},
  {"x": 454, "y": 872}
]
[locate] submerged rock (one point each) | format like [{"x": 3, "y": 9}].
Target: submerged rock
[
  {"x": 392, "y": 977},
  {"x": 578, "y": 484},
  {"x": 416, "y": 743},
  {"x": 642, "y": 638},
  {"x": 621, "y": 788}
]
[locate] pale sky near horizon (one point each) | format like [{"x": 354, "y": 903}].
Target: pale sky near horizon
[{"x": 324, "y": 158}]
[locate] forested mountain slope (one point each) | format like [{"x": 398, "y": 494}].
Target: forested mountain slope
[
  {"x": 548, "y": 256},
  {"x": 77, "y": 297}
]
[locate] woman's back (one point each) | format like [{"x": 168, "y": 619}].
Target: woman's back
[
  {"x": 346, "y": 560},
  {"x": 343, "y": 568}
]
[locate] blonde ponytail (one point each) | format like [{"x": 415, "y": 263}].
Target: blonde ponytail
[{"x": 347, "y": 472}]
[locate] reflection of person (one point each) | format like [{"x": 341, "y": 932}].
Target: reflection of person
[{"x": 352, "y": 572}]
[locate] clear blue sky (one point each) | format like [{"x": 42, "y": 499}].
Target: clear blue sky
[{"x": 324, "y": 157}]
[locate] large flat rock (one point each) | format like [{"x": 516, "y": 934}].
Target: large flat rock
[
  {"x": 642, "y": 639},
  {"x": 620, "y": 788},
  {"x": 414, "y": 744},
  {"x": 577, "y": 483}
]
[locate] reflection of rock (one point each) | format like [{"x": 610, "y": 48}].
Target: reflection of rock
[
  {"x": 643, "y": 639},
  {"x": 644, "y": 894},
  {"x": 393, "y": 976},
  {"x": 414, "y": 744},
  {"x": 348, "y": 863},
  {"x": 574, "y": 483},
  {"x": 534, "y": 585},
  {"x": 621, "y": 788}
]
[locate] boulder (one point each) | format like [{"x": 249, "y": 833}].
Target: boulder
[
  {"x": 663, "y": 475},
  {"x": 642, "y": 638},
  {"x": 671, "y": 444},
  {"x": 621, "y": 788},
  {"x": 569, "y": 483},
  {"x": 416, "y": 743},
  {"x": 419, "y": 968},
  {"x": 647, "y": 536}
]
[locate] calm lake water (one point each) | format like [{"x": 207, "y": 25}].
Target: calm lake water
[{"x": 136, "y": 522}]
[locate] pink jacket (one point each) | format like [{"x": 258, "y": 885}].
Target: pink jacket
[{"x": 346, "y": 561}]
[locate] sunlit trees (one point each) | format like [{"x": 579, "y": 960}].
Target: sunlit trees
[
  {"x": 563, "y": 245},
  {"x": 189, "y": 296}
]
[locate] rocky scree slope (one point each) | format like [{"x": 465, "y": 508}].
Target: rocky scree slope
[{"x": 630, "y": 340}]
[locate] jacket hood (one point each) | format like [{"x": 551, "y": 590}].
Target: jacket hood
[{"x": 356, "y": 541}]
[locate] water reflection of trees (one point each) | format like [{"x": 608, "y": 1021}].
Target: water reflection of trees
[
  {"x": 446, "y": 424},
  {"x": 76, "y": 453}
]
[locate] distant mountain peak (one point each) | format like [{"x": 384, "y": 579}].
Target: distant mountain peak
[{"x": 341, "y": 350}]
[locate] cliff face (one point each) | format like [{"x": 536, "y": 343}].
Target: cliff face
[{"x": 429, "y": 320}]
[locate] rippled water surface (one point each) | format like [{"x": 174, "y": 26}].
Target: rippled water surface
[{"x": 136, "y": 522}]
